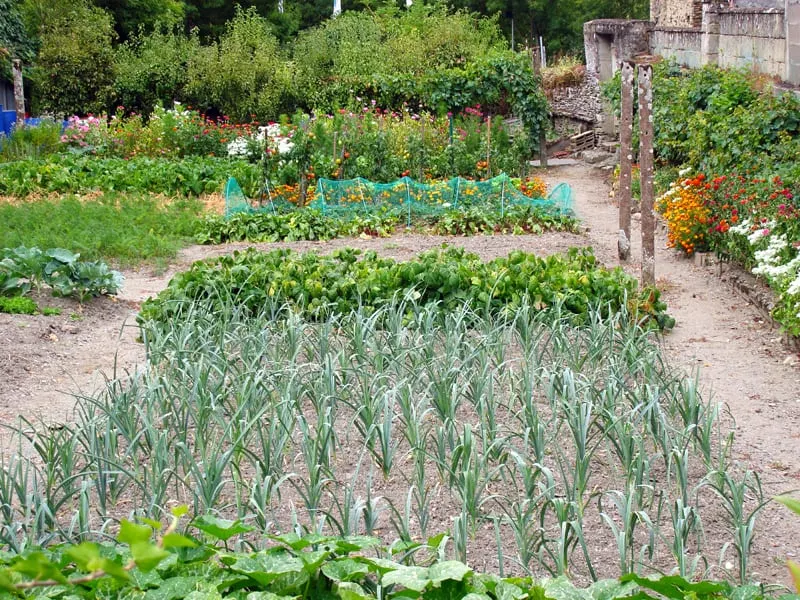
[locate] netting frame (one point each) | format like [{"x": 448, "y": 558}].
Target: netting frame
[{"x": 370, "y": 197}]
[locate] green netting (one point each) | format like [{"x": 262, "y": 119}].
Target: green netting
[
  {"x": 235, "y": 200},
  {"x": 349, "y": 196}
]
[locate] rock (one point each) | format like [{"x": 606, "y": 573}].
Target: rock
[{"x": 595, "y": 157}]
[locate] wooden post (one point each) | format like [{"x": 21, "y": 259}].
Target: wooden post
[
  {"x": 303, "y": 194},
  {"x": 421, "y": 170},
  {"x": 625, "y": 161},
  {"x": 646, "y": 172},
  {"x": 19, "y": 96},
  {"x": 542, "y": 148},
  {"x": 488, "y": 146}
]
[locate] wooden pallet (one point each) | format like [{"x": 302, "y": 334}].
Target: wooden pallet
[{"x": 582, "y": 141}]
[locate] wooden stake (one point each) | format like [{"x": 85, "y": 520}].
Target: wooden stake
[
  {"x": 19, "y": 96},
  {"x": 542, "y": 148},
  {"x": 646, "y": 172},
  {"x": 488, "y": 145},
  {"x": 625, "y": 161},
  {"x": 421, "y": 171}
]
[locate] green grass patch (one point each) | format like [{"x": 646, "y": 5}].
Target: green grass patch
[{"x": 125, "y": 229}]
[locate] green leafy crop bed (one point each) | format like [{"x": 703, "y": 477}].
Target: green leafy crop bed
[
  {"x": 197, "y": 567},
  {"x": 310, "y": 224},
  {"x": 348, "y": 279}
]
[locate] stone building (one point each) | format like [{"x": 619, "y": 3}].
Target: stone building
[{"x": 762, "y": 35}]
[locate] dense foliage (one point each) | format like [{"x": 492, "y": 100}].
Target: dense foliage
[
  {"x": 152, "y": 68},
  {"x": 559, "y": 23},
  {"x": 15, "y": 41},
  {"x": 243, "y": 75},
  {"x": 74, "y": 70},
  {"x": 427, "y": 56},
  {"x": 318, "y": 285}
]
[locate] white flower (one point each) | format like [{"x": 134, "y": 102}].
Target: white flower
[
  {"x": 238, "y": 147},
  {"x": 760, "y": 233},
  {"x": 794, "y": 287},
  {"x": 742, "y": 228}
]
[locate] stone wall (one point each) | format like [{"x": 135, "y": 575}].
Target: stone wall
[
  {"x": 682, "y": 45},
  {"x": 761, "y": 4},
  {"x": 580, "y": 102},
  {"x": 745, "y": 38},
  {"x": 792, "y": 25},
  {"x": 607, "y": 42},
  {"x": 672, "y": 13},
  {"x": 753, "y": 39}
]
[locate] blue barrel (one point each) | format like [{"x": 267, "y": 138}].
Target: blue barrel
[{"x": 9, "y": 117}]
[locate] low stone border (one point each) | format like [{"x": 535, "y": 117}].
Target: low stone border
[{"x": 755, "y": 291}]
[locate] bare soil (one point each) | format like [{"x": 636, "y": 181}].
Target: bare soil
[{"x": 46, "y": 361}]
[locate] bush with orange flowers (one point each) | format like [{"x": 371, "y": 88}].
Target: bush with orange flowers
[
  {"x": 684, "y": 207},
  {"x": 532, "y": 187}
]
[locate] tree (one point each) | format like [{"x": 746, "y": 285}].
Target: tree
[
  {"x": 152, "y": 68},
  {"x": 14, "y": 39},
  {"x": 74, "y": 71},
  {"x": 243, "y": 74},
  {"x": 132, "y": 15}
]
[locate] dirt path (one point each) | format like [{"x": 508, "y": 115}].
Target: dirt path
[{"x": 43, "y": 360}]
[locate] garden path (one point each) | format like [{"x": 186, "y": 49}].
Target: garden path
[{"x": 741, "y": 361}]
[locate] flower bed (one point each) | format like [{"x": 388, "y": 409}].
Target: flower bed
[{"x": 750, "y": 220}]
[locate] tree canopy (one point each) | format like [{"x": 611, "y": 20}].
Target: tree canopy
[{"x": 559, "y": 23}]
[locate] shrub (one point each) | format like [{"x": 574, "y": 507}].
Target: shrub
[
  {"x": 74, "y": 72},
  {"x": 384, "y": 55},
  {"x": 243, "y": 75},
  {"x": 335, "y": 61},
  {"x": 151, "y": 69}
]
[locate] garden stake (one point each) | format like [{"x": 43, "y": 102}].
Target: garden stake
[
  {"x": 625, "y": 160},
  {"x": 646, "y": 173}
]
